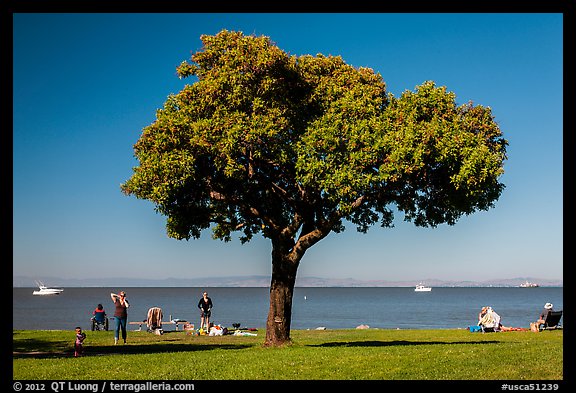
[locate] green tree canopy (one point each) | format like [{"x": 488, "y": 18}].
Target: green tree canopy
[{"x": 293, "y": 147}]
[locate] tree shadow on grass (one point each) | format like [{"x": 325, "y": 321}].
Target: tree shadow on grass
[
  {"x": 32, "y": 347},
  {"x": 40, "y": 349},
  {"x": 396, "y": 343}
]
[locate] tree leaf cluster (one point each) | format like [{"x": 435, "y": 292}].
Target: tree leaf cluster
[{"x": 293, "y": 146}]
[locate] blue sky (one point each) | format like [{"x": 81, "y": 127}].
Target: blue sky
[{"x": 85, "y": 85}]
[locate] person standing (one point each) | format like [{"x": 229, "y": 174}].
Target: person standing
[
  {"x": 205, "y": 306},
  {"x": 79, "y": 342},
  {"x": 120, "y": 315}
]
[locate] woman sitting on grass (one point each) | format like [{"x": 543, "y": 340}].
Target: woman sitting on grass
[{"x": 488, "y": 318}]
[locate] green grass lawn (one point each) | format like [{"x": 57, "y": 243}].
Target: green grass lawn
[{"x": 371, "y": 354}]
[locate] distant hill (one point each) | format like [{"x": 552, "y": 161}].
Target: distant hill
[{"x": 264, "y": 281}]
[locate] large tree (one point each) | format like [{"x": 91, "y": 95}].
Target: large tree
[{"x": 293, "y": 147}]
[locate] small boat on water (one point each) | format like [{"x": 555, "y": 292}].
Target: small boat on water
[
  {"x": 44, "y": 290},
  {"x": 422, "y": 288},
  {"x": 529, "y": 284}
]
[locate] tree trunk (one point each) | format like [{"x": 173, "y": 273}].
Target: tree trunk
[{"x": 281, "y": 291}]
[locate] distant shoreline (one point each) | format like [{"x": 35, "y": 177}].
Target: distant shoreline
[
  {"x": 302, "y": 286},
  {"x": 258, "y": 281}
]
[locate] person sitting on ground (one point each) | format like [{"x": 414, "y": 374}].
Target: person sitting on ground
[
  {"x": 488, "y": 318},
  {"x": 482, "y": 313}
]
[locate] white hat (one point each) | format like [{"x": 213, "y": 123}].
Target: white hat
[{"x": 548, "y": 306}]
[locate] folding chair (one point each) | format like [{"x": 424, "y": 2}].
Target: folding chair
[{"x": 552, "y": 321}]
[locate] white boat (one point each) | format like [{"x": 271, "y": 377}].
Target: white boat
[
  {"x": 529, "y": 284},
  {"x": 422, "y": 288},
  {"x": 44, "y": 290}
]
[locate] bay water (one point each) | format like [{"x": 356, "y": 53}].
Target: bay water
[{"x": 313, "y": 307}]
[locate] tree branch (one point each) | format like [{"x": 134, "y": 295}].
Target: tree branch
[{"x": 321, "y": 230}]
